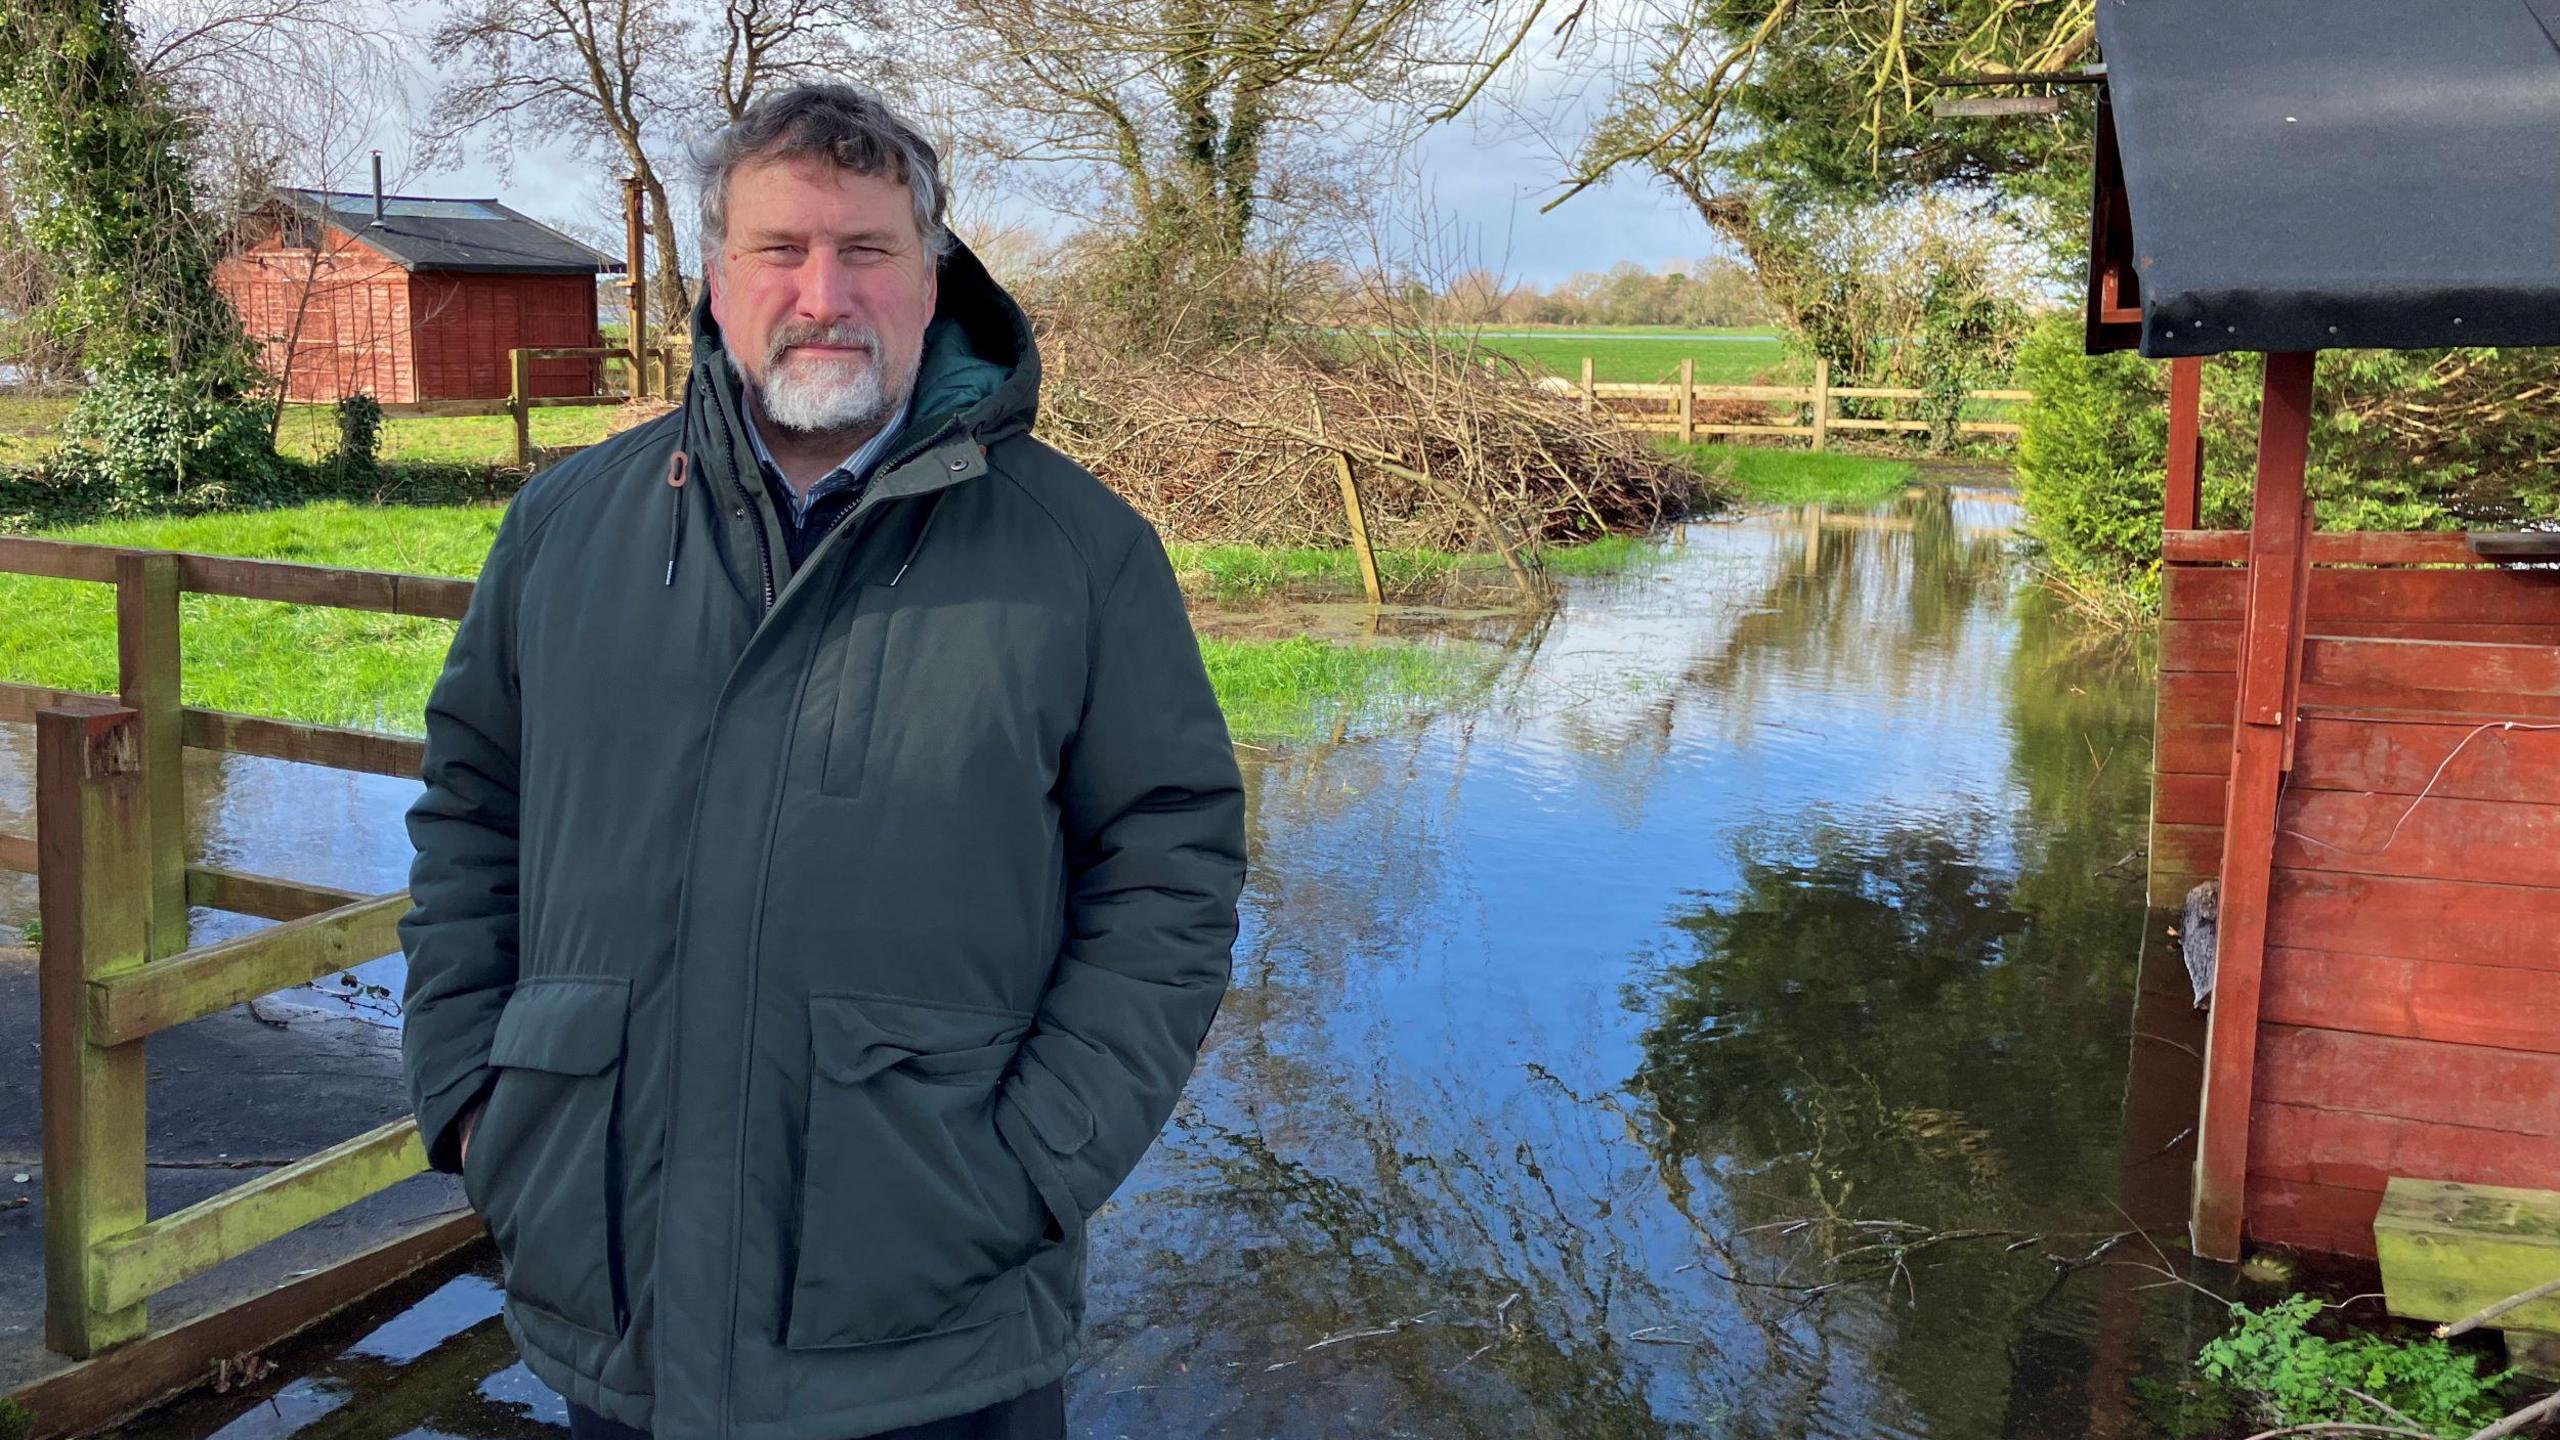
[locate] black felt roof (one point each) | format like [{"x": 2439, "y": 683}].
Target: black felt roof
[
  {"x": 2309, "y": 174},
  {"x": 424, "y": 233}
]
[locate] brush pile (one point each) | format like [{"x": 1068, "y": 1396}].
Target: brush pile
[{"x": 1451, "y": 451}]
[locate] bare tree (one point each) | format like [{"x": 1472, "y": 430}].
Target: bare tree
[
  {"x": 1198, "y": 132},
  {"x": 607, "y": 74},
  {"x": 765, "y": 44},
  {"x": 632, "y": 78},
  {"x": 287, "y": 93},
  {"x": 276, "y": 91}
]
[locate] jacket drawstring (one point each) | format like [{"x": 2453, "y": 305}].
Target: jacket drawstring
[
  {"x": 933, "y": 507},
  {"x": 677, "y": 465}
]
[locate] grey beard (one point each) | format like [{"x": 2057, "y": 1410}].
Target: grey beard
[{"x": 809, "y": 401}]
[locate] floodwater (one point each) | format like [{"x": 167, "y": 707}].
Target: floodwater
[{"x": 1719, "y": 1022}]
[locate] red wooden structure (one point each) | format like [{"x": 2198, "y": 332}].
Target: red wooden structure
[
  {"x": 419, "y": 300},
  {"x": 2358, "y": 734}
]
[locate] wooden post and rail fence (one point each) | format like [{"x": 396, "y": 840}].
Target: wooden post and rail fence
[
  {"x": 1673, "y": 408},
  {"x": 667, "y": 365},
  {"x": 116, "y": 966}
]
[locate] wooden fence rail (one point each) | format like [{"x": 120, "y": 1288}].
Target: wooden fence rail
[
  {"x": 1673, "y": 408},
  {"x": 117, "y": 966},
  {"x": 666, "y": 364}
]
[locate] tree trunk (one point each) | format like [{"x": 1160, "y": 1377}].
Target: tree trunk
[{"x": 670, "y": 298}]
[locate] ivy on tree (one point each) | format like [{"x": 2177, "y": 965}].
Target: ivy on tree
[{"x": 171, "y": 414}]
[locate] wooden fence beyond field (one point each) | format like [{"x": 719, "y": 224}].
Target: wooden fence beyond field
[{"x": 1673, "y": 408}]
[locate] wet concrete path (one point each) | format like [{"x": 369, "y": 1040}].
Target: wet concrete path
[{"x": 1705, "y": 1019}]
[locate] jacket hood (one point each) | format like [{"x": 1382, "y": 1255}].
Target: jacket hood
[{"x": 980, "y": 367}]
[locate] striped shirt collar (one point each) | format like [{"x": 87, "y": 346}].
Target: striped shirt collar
[{"x": 854, "y": 469}]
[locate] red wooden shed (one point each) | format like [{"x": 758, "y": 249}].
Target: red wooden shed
[
  {"x": 409, "y": 298},
  {"x": 2358, "y": 734}
]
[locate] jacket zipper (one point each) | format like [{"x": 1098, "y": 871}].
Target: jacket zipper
[{"x": 764, "y": 546}]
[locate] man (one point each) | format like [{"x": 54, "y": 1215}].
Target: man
[{"x": 827, "y": 867}]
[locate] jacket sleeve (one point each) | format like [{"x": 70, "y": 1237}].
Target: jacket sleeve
[
  {"x": 459, "y": 934},
  {"x": 1153, "y": 812}
]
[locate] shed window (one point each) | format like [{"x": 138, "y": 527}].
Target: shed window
[{"x": 301, "y": 232}]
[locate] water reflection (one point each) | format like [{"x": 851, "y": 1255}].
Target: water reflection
[{"x": 1784, "y": 878}]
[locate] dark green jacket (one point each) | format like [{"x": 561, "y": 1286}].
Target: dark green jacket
[{"x": 825, "y": 959}]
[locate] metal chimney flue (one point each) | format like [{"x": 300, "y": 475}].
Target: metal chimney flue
[{"x": 377, "y": 187}]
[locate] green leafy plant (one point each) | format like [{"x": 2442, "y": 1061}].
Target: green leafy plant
[
  {"x": 98, "y": 167},
  {"x": 359, "y": 437},
  {"x": 157, "y": 442},
  {"x": 17, "y": 1422},
  {"x": 2297, "y": 1377},
  {"x": 2400, "y": 440}
]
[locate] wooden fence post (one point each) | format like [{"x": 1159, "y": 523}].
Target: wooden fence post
[
  {"x": 1688, "y": 400},
  {"x": 1357, "y": 515},
  {"x": 1821, "y": 404},
  {"x": 519, "y": 403},
  {"x": 94, "y": 894},
  {"x": 2279, "y": 577},
  {"x": 1590, "y": 397},
  {"x": 635, "y": 263},
  {"x": 2186, "y": 443},
  {"x": 147, "y": 676}
]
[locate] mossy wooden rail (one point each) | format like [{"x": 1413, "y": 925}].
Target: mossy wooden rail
[{"x": 117, "y": 966}]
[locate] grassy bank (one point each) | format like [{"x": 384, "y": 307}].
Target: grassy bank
[
  {"x": 1769, "y": 475},
  {"x": 345, "y": 667},
  {"x": 1302, "y": 688},
  {"x": 1245, "y": 574}
]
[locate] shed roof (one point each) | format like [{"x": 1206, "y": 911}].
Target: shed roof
[
  {"x": 428, "y": 233},
  {"x": 2309, "y": 174}
]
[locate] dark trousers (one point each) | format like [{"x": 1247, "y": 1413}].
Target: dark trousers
[{"x": 1040, "y": 1415}]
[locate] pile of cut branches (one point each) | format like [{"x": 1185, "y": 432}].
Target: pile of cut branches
[{"x": 1451, "y": 451}]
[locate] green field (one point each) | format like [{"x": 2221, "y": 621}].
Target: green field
[
  {"x": 1649, "y": 355},
  {"x": 1772, "y": 476},
  {"x": 30, "y": 428},
  {"x": 372, "y": 671}
]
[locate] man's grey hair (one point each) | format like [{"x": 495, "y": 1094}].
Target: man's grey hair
[{"x": 850, "y": 126}]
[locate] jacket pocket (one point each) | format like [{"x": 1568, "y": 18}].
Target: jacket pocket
[
  {"x": 540, "y": 1168},
  {"x": 862, "y": 665},
  {"x": 915, "y": 1216}
]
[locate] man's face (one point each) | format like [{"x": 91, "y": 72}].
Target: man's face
[{"x": 822, "y": 290}]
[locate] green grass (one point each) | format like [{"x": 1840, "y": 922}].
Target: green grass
[
  {"x": 1652, "y": 359},
  {"x": 311, "y": 431},
  {"x": 1302, "y": 687},
  {"x": 1243, "y": 574},
  {"x": 1769, "y": 475},
  {"x": 296, "y": 662},
  {"x": 30, "y": 428},
  {"x": 348, "y": 667},
  {"x": 1608, "y": 555}
]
